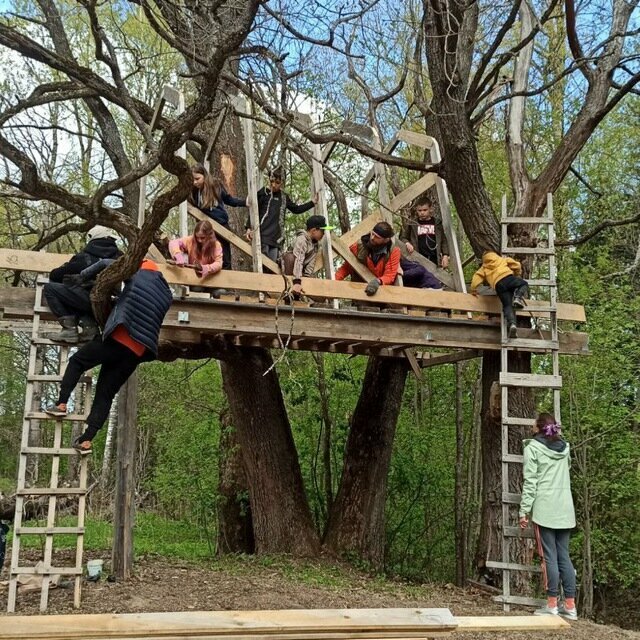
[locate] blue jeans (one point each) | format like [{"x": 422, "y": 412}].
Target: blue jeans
[{"x": 553, "y": 548}]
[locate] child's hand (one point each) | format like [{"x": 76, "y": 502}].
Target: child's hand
[
  {"x": 474, "y": 293},
  {"x": 524, "y": 522}
]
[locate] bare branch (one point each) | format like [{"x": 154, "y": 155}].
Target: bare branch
[{"x": 599, "y": 228}]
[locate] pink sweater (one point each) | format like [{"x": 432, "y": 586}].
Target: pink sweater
[{"x": 183, "y": 245}]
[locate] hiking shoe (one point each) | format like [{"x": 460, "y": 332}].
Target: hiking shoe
[
  {"x": 512, "y": 331},
  {"x": 546, "y": 611},
  {"x": 57, "y": 410},
  {"x": 518, "y": 302},
  {"x": 87, "y": 330},
  {"x": 569, "y": 614},
  {"x": 83, "y": 447}
]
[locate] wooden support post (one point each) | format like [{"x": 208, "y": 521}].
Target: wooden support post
[
  {"x": 124, "y": 507},
  {"x": 244, "y": 107}
]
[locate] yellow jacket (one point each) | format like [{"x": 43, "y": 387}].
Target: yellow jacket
[{"x": 494, "y": 268}]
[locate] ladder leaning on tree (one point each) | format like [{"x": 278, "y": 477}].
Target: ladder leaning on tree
[
  {"x": 42, "y": 349},
  {"x": 512, "y": 462}
]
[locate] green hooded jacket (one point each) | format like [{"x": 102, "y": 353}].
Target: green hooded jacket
[{"x": 546, "y": 493}]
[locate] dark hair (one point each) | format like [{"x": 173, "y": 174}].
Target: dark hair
[
  {"x": 277, "y": 173},
  {"x": 384, "y": 229},
  {"x": 546, "y": 425},
  {"x": 423, "y": 201}
]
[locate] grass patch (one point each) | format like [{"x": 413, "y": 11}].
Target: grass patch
[{"x": 152, "y": 535}]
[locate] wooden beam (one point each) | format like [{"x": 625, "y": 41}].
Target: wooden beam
[
  {"x": 412, "y": 192},
  {"x": 434, "y": 359},
  {"x": 413, "y": 362},
  {"x": 292, "y": 623},
  {"x": 231, "y": 237},
  {"x": 345, "y": 253},
  {"x": 313, "y": 287},
  {"x": 268, "y": 148},
  {"x": 348, "y": 331},
  {"x": 415, "y": 138},
  {"x": 511, "y": 623}
]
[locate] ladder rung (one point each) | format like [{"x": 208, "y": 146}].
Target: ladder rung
[
  {"x": 41, "y": 415},
  {"x": 531, "y": 344},
  {"x": 48, "y": 571},
  {"x": 512, "y": 566},
  {"x": 42, "y": 310},
  {"x": 53, "y": 451},
  {"x": 517, "y": 532},
  {"x": 512, "y": 421},
  {"x": 541, "y": 282},
  {"x": 53, "y": 377},
  {"x": 531, "y": 380},
  {"x": 513, "y": 457},
  {"x": 511, "y": 498},
  {"x": 540, "y": 308},
  {"x": 42, "y": 279},
  {"x": 531, "y": 602},
  {"x": 524, "y": 220},
  {"x": 533, "y": 251},
  {"x": 27, "y": 531},
  {"x": 48, "y": 491}
]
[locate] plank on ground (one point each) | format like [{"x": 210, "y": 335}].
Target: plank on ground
[
  {"x": 194, "y": 624},
  {"x": 511, "y": 623},
  {"x": 312, "y": 287}
]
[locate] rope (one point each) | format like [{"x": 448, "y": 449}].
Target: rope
[{"x": 285, "y": 294}]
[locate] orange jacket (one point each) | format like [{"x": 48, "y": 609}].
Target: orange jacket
[{"x": 386, "y": 270}]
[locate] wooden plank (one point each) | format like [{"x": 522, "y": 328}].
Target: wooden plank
[
  {"x": 268, "y": 148},
  {"x": 511, "y": 623},
  {"x": 413, "y": 362},
  {"x": 49, "y": 491},
  {"x": 415, "y": 138},
  {"x": 513, "y": 566},
  {"x": 517, "y": 532},
  {"x": 345, "y": 253},
  {"x": 530, "y": 380},
  {"x": 232, "y": 238},
  {"x": 54, "y": 451},
  {"x": 523, "y": 600},
  {"x": 535, "y": 251},
  {"x": 431, "y": 360},
  {"x": 412, "y": 192},
  {"x": 518, "y": 422},
  {"x": 40, "y": 571},
  {"x": 525, "y": 344},
  {"x": 27, "y": 531},
  {"x": 526, "y": 220},
  {"x": 368, "y": 623},
  {"x": 269, "y": 283},
  {"x": 511, "y": 498}
]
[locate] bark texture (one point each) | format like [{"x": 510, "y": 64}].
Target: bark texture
[
  {"x": 357, "y": 518},
  {"x": 282, "y": 521}
]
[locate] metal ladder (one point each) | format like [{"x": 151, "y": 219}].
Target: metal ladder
[
  {"x": 545, "y": 344},
  {"x": 33, "y": 414}
]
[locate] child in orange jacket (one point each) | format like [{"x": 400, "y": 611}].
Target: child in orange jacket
[{"x": 503, "y": 274}]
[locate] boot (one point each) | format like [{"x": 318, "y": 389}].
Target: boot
[
  {"x": 510, "y": 320},
  {"x": 87, "y": 329},
  {"x": 69, "y": 333}
]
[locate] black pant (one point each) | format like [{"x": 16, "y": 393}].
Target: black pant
[
  {"x": 226, "y": 250},
  {"x": 118, "y": 363},
  {"x": 68, "y": 301},
  {"x": 506, "y": 289}
]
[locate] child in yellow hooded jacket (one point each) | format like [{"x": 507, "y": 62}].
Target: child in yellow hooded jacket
[{"x": 503, "y": 274}]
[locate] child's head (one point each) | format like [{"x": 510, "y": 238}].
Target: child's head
[
  {"x": 199, "y": 174},
  {"x": 547, "y": 426},
  {"x": 276, "y": 178}
]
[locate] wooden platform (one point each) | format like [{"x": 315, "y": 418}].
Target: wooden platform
[
  {"x": 316, "y": 329},
  {"x": 311, "y": 624}
]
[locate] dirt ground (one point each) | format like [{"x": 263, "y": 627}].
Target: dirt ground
[{"x": 241, "y": 583}]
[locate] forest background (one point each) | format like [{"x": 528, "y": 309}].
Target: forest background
[{"x": 362, "y": 65}]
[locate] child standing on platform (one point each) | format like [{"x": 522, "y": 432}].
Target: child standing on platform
[
  {"x": 503, "y": 274},
  {"x": 547, "y": 501}
]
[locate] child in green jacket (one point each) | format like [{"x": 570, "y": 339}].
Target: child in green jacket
[{"x": 546, "y": 499}]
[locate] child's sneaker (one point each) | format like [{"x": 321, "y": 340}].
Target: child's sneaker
[
  {"x": 569, "y": 614},
  {"x": 56, "y": 410},
  {"x": 518, "y": 302},
  {"x": 546, "y": 611},
  {"x": 513, "y": 331}
]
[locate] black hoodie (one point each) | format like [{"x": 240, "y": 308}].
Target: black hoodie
[
  {"x": 555, "y": 445},
  {"x": 95, "y": 250}
]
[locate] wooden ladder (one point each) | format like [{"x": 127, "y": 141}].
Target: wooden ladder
[
  {"x": 510, "y": 380},
  {"x": 42, "y": 348}
]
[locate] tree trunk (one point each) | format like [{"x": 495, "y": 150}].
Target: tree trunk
[
  {"x": 235, "y": 530},
  {"x": 282, "y": 521},
  {"x": 460, "y": 489},
  {"x": 124, "y": 507},
  {"x": 357, "y": 518}
]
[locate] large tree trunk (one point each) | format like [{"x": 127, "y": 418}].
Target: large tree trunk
[
  {"x": 235, "y": 530},
  {"x": 282, "y": 521},
  {"x": 357, "y": 518}
]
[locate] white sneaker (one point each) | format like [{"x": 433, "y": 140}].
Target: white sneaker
[
  {"x": 546, "y": 611},
  {"x": 569, "y": 614}
]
